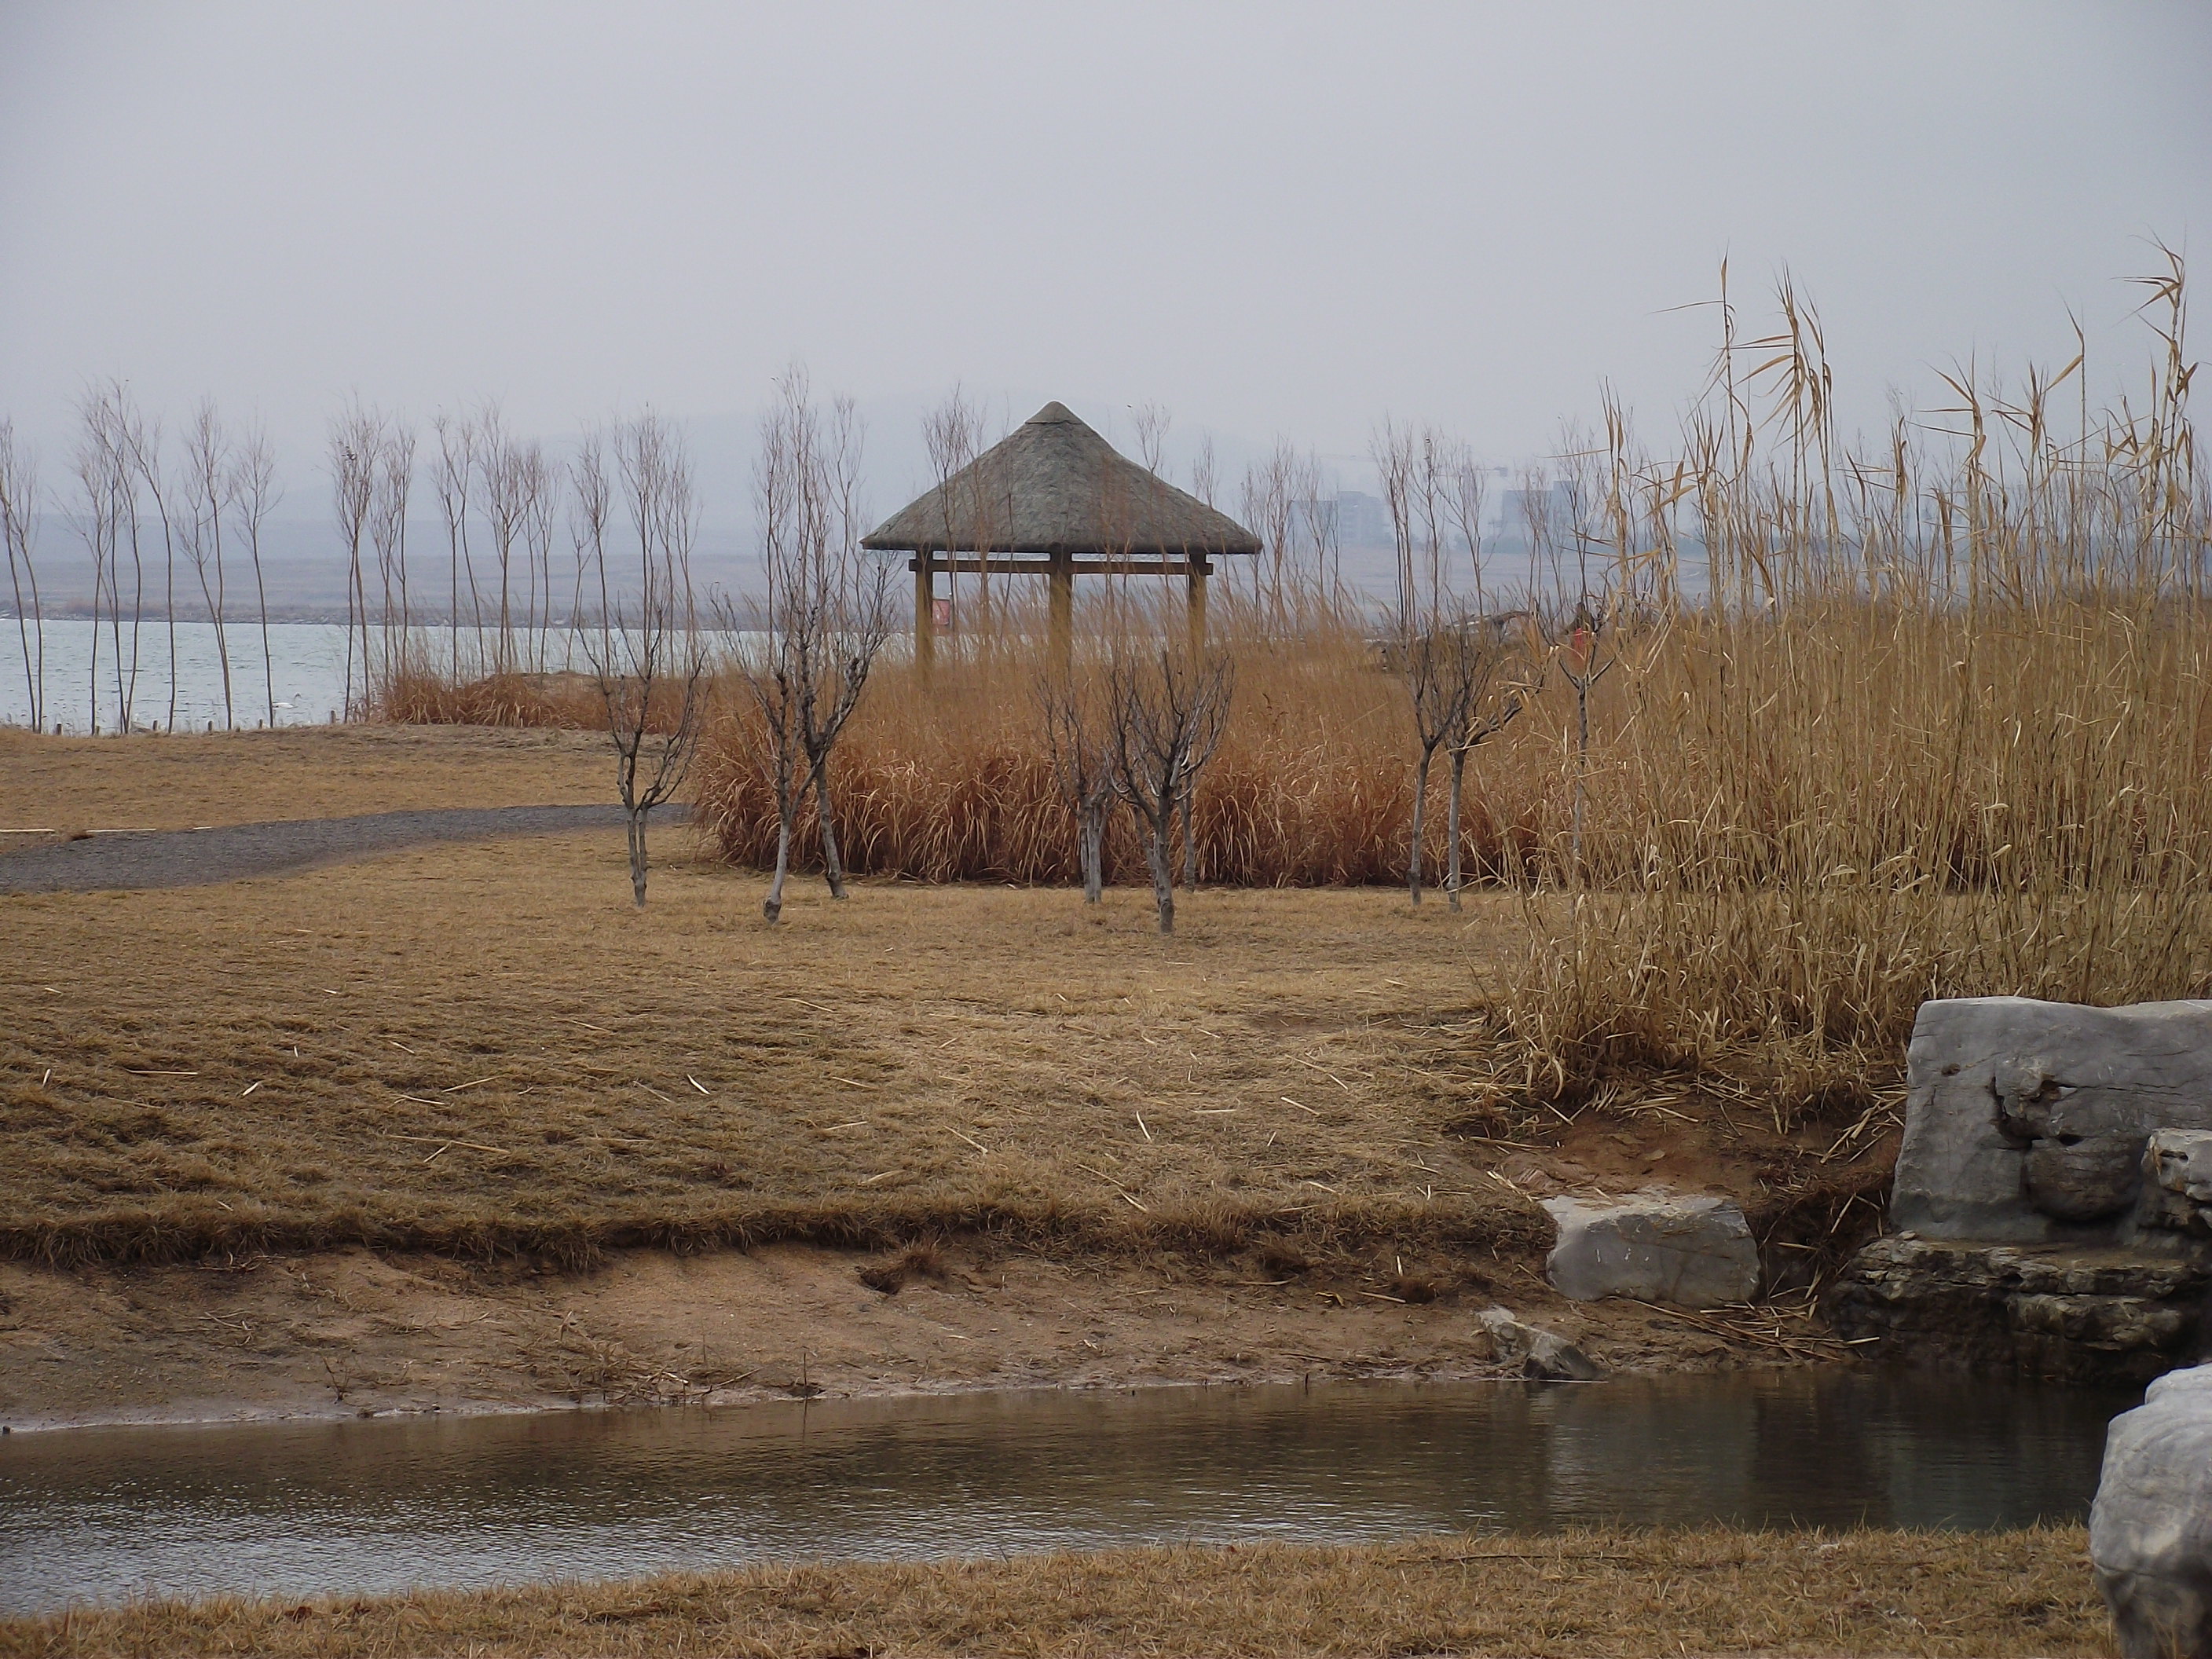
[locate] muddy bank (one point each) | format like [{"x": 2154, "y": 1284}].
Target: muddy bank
[{"x": 357, "y": 1331}]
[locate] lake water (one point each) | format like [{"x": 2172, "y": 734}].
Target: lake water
[
  {"x": 306, "y": 672},
  {"x": 369, "y": 1506}
]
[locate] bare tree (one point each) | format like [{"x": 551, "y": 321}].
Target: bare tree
[
  {"x": 1491, "y": 669},
  {"x": 110, "y": 526},
  {"x": 1075, "y": 737},
  {"x": 1585, "y": 598},
  {"x": 1153, "y": 421},
  {"x": 953, "y": 433},
  {"x": 393, "y": 483},
  {"x": 651, "y": 641},
  {"x": 1434, "y": 493},
  {"x": 253, "y": 487},
  {"x": 19, "y": 486},
  {"x": 1166, "y": 713},
  {"x": 1205, "y": 469},
  {"x": 456, "y": 477},
  {"x": 504, "y": 467},
  {"x": 1429, "y": 659},
  {"x": 356, "y": 436},
  {"x": 207, "y": 487},
  {"x": 826, "y": 614},
  {"x": 142, "y": 440}
]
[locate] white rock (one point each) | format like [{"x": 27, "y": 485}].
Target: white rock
[
  {"x": 2150, "y": 1529},
  {"x": 2026, "y": 1122},
  {"x": 1694, "y": 1252}
]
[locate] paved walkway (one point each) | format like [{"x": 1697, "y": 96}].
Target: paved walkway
[{"x": 195, "y": 858}]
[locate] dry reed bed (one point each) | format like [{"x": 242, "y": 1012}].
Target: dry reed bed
[{"x": 1599, "y": 1593}]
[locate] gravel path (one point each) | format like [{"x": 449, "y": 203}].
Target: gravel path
[{"x": 194, "y": 858}]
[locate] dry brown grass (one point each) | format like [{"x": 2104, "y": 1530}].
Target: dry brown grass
[
  {"x": 297, "y": 772},
  {"x": 478, "y": 1049},
  {"x": 560, "y": 699},
  {"x": 1595, "y": 1592}
]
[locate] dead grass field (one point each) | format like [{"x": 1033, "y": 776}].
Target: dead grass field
[
  {"x": 297, "y": 772},
  {"x": 484, "y": 1048},
  {"x": 479, "y": 1048},
  {"x": 1594, "y": 1593}
]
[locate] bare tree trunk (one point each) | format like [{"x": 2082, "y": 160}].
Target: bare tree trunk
[
  {"x": 1091, "y": 831},
  {"x": 1159, "y": 831},
  {"x": 772, "y": 906},
  {"x": 637, "y": 854},
  {"x": 1451, "y": 817},
  {"x": 1582, "y": 777},
  {"x": 17, "y": 488},
  {"x": 1420, "y": 814},
  {"x": 833, "y": 870}
]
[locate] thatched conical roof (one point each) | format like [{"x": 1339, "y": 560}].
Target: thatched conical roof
[{"x": 1055, "y": 486}]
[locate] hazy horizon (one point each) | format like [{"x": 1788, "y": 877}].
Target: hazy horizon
[{"x": 1283, "y": 220}]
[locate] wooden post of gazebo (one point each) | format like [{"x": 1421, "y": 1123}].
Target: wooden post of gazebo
[
  {"x": 925, "y": 615},
  {"x": 1056, "y": 500},
  {"x": 1061, "y": 607}
]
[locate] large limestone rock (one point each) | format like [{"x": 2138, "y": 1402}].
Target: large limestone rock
[
  {"x": 2076, "y": 1314},
  {"x": 2150, "y": 1529},
  {"x": 2029, "y": 1122},
  {"x": 1658, "y": 1247}
]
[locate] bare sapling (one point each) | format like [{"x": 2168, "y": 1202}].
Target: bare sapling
[
  {"x": 1582, "y": 609},
  {"x": 1292, "y": 582},
  {"x": 142, "y": 442},
  {"x": 96, "y": 523},
  {"x": 1166, "y": 711},
  {"x": 953, "y": 434},
  {"x": 1432, "y": 661},
  {"x": 1497, "y": 678},
  {"x": 456, "y": 477},
  {"x": 19, "y": 484},
  {"x": 647, "y": 639},
  {"x": 206, "y": 492},
  {"x": 387, "y": 534},
  {"x": 825, "y": 616},
  {"x": 252, "y": 484},
  {"x": 356, "y": 436},
  {"x": 506, "y": 475},
  {"x": 1075, "y": 738},
  {"x": 1434, "y": 493},
  {"x": 110, "y": 526}
]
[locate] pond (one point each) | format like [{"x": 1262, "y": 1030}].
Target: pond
[{"x": 387, "y": 1504}]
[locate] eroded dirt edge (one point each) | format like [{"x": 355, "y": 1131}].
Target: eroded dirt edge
[{"x": 358, "y": 1331}]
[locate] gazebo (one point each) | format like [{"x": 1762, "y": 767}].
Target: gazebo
[{"x": 1056, "y": 500}]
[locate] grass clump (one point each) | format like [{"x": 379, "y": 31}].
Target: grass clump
[{"x": 1599, "y": 1593}]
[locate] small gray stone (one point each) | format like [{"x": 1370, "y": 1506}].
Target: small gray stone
[
  {"x": 2150, "y": 1529},
  {"x": 2177, "y": 1190},
  {"x": 1695, "y": 1252},
  {"x": 1544, "y": 1356}
]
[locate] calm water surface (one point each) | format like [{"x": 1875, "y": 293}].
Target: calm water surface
[{"x": 371, "y": 1506}]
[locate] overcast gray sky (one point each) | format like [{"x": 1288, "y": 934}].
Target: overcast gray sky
[{"x": 1277, "y": 218}]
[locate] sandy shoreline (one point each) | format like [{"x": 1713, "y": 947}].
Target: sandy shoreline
[{"x": 353, "y": 1333}]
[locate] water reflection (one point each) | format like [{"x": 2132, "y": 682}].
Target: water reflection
[{"x": 383, "y": 1505}]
